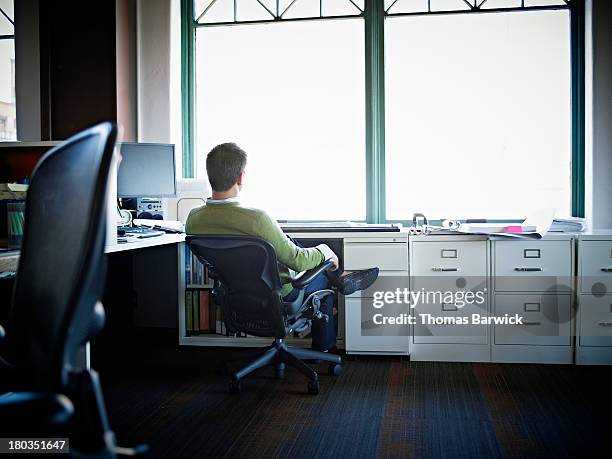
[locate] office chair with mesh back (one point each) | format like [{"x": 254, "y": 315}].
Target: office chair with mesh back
[
  {"x": 47, "y": 391},
  {"x": 248, "y": 289}
]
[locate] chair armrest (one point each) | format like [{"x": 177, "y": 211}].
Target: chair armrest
[{"x": 307, "y": 276}]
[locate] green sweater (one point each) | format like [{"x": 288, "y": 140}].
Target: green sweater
[{"x": 233, "y": 219}]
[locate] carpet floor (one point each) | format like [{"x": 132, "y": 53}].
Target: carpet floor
[{"x": 176, "y": 400}]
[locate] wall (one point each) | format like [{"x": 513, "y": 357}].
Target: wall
[
  {"x": 126, "y": 50},
  {"x": 154, "y": 70},
  {"x": 599, "y": 113},
  {"x": 78, "y": 66},
  {"x": 27, "y": 70}
]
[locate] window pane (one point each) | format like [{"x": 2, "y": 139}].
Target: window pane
[
  {"x": 291, "y": 95},
  {"x": 544, "y": 3},
  {"x": 501, "y": 4},
  {"x": 406, "y": 6},
  {"x": 448, "y": 5},
  {"x": 478, "y": 120},
  {"x": 6, "y": 27},
  {"x": 8, "y": 120}
]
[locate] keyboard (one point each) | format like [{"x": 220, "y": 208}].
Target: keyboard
[
  {"x": 338, "y": 227},
  {"x": 138, "y": 232}
]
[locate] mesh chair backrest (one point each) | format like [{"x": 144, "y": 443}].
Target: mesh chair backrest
[
  {"x": 61, "y": 269},
  {"x": 250, "y": 290}
]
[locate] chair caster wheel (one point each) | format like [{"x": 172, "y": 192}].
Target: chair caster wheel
[
  {"x": 235, "y": 387},
  {"x": 334, "y": 369},
  {"x": 313, "y": 387}
]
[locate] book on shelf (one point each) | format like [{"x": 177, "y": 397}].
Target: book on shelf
[
  {"x": 195, "y": 311},
  {"x": 204, "y": 311},
  {"x": 196, "y": 275},
  {"x": 218, "y": 320},
  {"x": 187, "y": 265},
  {"x": 188, "y": 311}
]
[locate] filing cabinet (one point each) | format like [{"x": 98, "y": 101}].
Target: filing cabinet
[
  {"x": 594, "y": 324},
  {"x": 533, "y": 280},
  {"x": 443, "y": 329},
  {"x": 363, "y": 332}
]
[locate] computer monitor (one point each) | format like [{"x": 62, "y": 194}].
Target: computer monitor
[{"x": 146, "y": 170}]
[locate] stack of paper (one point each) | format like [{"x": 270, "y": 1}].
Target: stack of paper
[
  {"x": 534, "y": 227},
  {"x": 568, "y": 225},
  {"x": 13, "y": 191}
]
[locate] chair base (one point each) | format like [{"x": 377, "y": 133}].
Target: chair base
[{"x": 280, "y": 354}]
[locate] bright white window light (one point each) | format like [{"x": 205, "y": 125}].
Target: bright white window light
[
  {"x": 478, "y": 116},
  {"x": 292, "y": 96}
]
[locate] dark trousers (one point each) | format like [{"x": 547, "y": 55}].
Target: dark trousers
[{"x": 323, "y": 333}]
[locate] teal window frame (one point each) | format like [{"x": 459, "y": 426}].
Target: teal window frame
[{"x": 374, "y": 15}]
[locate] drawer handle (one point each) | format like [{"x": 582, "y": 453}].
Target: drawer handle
[
  {"x": 607, "y": 270},
  {"x": 444, "y": 270},
  {"x": 527, "y": 270},
  {"x": 531, "y": 307},
  {"x": 605, "y": 324},
  {"x": 532, "y": 323}
]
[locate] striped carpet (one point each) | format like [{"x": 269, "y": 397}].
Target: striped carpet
[{"x": 175, "y": 400}]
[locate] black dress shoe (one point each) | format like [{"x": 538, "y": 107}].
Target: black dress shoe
[{"x": 351, "y": 281}]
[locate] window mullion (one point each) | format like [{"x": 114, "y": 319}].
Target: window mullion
[
  {"x": 188, "y": 86},
  {"x": 375, "y": 110}
]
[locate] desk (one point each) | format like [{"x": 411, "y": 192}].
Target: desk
[
  {"x": 10, "y": 259},
  {"x": 551, "y": 336},
  {"x": 132, "y": 265},
  {"x": 533, "y": 278},
  {"x": 145, "y": 242}
]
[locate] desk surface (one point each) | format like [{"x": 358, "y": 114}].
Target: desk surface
[
  {"x": 145, "y": 242},
  {"x": 9, "y": 260}
]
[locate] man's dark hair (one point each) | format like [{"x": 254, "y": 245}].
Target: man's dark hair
[{"x": 224, "y": 164}]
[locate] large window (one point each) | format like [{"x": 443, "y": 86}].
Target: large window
[
  {"x": 473, "y": 106},
  {"x": 292, "y": 96},
  {"x": 8, "y": 121},
  {"x": 478, "y": 115}
]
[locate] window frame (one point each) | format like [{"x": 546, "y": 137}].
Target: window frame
[{"x": 374, "y": 14}]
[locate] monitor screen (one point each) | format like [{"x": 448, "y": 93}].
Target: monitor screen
[{"x": 146, "y": 170}]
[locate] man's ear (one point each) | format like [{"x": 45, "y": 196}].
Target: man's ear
[{"x": 239, "y": 179}]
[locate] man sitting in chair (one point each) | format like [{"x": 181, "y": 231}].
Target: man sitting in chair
[{"x": 224, "y": 215}]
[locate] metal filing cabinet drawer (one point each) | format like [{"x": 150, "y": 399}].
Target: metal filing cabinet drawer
[
  {"x": 447, "y": 266},
  {"x": 388, "y": 256},
  {"x": 450, "y": 333},
  {"x": 546, "y": 320},
  {"x": 596, "y": 267},
  {"x": 595, "y": 320},
  {"x": 364, "y": 336},
  {"x": 538, "y": 266}
]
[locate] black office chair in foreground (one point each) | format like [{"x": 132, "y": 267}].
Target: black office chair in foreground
[
  {"x": 46, "y": 389},
  {"x": 248, "y": 289}
]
